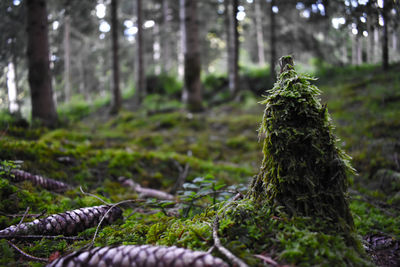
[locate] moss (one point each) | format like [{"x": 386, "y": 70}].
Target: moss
[{"x": 303, "y": 169}]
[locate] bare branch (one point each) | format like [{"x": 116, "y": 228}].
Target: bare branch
[
  {"x": 26, "y": 255},
  {"x": 145, "y": 192},
  {"x": 217, "y": 243}
]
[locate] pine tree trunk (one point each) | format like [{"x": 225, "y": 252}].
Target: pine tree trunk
[
  {"x": 141, "y": 79},
  {"x": 192, "y": 65},
  {"x": 166, "y": 41},
  {"x": 234, "y": 49},
  {"x": 272, "y": 61},
  {"x": 116, "y": 105},
  {"x": 260, "y": 34},
  {"x": 67, "y": 55},
  {"x": 43, "y": 107},
  {"x": 385, "y": 45}
]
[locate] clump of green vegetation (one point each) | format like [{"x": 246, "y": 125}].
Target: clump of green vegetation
[{"x": 303, "y": 170}]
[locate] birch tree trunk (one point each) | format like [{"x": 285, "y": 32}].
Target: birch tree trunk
[
  {"x": 166, "y": 41},
  {"x": 116, "y": 105},
  {"x": 43, "y": 107},
  {"x": 191, "y": 51},
  {"x": 260, "y": 34}
]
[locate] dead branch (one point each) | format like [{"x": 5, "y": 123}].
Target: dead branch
[
  {"x": 23, "y": 217},
  {"x": 217, "y": 243},
  {"x": 183, "y": 173},
  {"x": 145, "y": 192},
  {"x": 144, "y": 256},
  {"x": 26, "y": 255},
  {"x": 266, "y": 259}
]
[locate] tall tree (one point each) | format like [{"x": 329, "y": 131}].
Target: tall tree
[
  {"x": 67, "y": 52},
  {"x": 272, "y": 40},
  {"x": 141, "y": 79},
  {"x": 191, "y": 51},
  {"x": 166, "y": 32},
  {"x": 259, "y": 32},
  {"x": 385, "y": 46},
  {"x": 231, "y": 8},
  {"x": 116, "y": 105},
  {"x": 43, "y": 107}
]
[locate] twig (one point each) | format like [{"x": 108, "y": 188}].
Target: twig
[
  {"x": 73, "y": 238},
  {"x": 23, "y": 217},
  {"x": 92, "y": 195},
  {"x": 266, "y": 259},
  {"x": 183, "y": 173},
  {"x": 29, "y": 257},
  {"x": 104, "y": 216},
  {"x": 217, "y": 243}
]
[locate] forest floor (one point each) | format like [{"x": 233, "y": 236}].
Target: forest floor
[{"x": 216, "y": 153}]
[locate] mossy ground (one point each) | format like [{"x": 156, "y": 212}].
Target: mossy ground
[{"x": 224, "y": 149}]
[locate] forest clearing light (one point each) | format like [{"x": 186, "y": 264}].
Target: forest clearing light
[
  {"x": 131, "y": 31},
  {"x": 16, "y": 2},
  {"x": 128, "y": 23},
  {"x": 149, "y": 24},
  {"x": 380, "y": 3},
  {"x": 240, "y": 15},
  {"x": 381, "y": 20},
  {"x": 104, "y": 26},
  {"x": 354, "y": 31},
  {"x": 101, "y": 11},
  {"x": 363, "y": 20},
  {"x": 336, "y": 22},
  {"x": 275, "y": 9},
  {"x": 365, "y": 33}
]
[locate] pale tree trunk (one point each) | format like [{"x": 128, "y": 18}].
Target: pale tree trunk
[
  {"x": 166, "y": 40},
  {"x": 43, "y": 107},
  {"x": 116, "y": 105},
  {"x": 370, "y": 43},
  {"x": 67, "y": 55},
  {"x": 376, "y": 45},
  {"x": 354, "y": 41},
  {"x": 359, "y": 49},
  {"x": 13, "y": 106},
  {"x": 181, "y": 46},
  {"x": 272, "y": 61},
  {"x": 141, "y": 79},
  {"x": 233, "y": 46},
  {"x": 260, "y": 34},
  {"x": 385, "y": 46},
  {"x": 157, "y": 49},
  {"x": 192, "y": 65}
]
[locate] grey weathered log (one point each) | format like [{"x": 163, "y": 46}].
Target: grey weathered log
[
  {"x": 139, "y": 256},
  {"x": 145, "y": 192},
  {"x": 47, "y": 183},
  {"x": 68, "y": 223}
]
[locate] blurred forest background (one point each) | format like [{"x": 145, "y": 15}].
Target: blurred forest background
[{"x": 100, "y": 50}]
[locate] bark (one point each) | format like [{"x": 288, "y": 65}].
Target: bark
[
  {"x": 192, "y": 65},
  {"x": 68, "y": 223},
  {"x": 272, "y": 41},
  {"x": 156, "y": 49},
  {"x": 385, "y": 45},
  {"x": 141, "y": 79},
  {"x": 47, "y": 183},
  {"x": 233, "y": 47},
  {"x": 13, "y": 106},
  {"x": 67, "y": 55},
  {"x": 370, "y": 42},
  {"x": 166, "y": 32},
  {"x": 43, "y": 107},
  {"x": 376, "y": 45},
  {"x": 116, "y": 106},
  {"x": 144, "y": 256},
  {"x": 260, "y": 35}
]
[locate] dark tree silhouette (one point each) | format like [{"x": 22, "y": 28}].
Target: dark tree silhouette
[{"x": 116, "y": 105}]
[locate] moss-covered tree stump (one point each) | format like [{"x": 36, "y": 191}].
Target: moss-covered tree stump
[{"x": 303, "y": 170}]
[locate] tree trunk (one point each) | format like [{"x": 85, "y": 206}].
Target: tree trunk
[
  {"x": 166, "y": 32},
  {"x": 116, "y": 105},
  {"x": 370, "y": 43},
  {"x": 13, "y": 106},
  {"x": 359, "y": 49},
  {"x": 376, "y": 45},
  {"x": 272, "y": 61},
  {"x": 191, "y": 51},
  {"x": 231, "y": 23},
  {"x": 141, "y": 79},
  {"x": 157, "y": 49},
  {"x": 67, "y": 55},
  {"x": 260, "y": 34},
  {"x": 385, "y": 46},
  {"x": 43, "y": 107}
]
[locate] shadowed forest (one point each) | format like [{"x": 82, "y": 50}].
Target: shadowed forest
[{"x": 200, "y": 133}]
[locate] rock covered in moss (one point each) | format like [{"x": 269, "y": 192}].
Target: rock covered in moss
[
  {"x": 303, "y": 170},
  {"x": 144, "y": 256}
]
